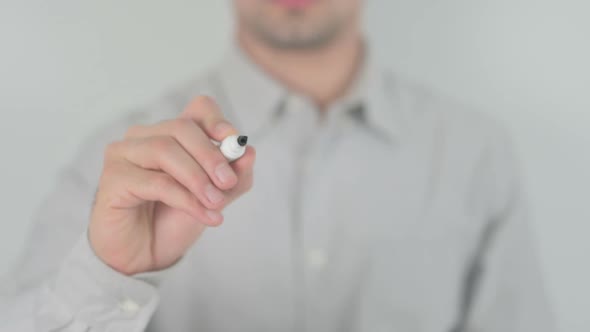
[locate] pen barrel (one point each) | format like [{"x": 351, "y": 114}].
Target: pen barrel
[{"x": 231, "y": 149}]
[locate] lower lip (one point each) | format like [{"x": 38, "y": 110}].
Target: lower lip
[{"x": 294, "y": 4}]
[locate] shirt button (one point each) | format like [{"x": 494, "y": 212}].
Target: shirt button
[
  {"x": 317, "y": 258},
  {"x": 128, "y": 305}
]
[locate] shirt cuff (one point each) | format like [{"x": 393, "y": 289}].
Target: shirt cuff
[{"x": 97, "y": 295}]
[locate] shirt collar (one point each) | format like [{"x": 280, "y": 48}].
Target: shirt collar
[
  {"x": 374, "y": 97},
  {"x": 255, "y": 97}
]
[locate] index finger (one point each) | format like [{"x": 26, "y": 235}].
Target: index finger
[{"x": 207, "y": 114}]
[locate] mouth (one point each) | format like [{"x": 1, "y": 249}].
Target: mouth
[{"x": 294, "y": 4}]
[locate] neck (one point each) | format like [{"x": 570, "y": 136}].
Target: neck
[{"x": 323, "y": 74}]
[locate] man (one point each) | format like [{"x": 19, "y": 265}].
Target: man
[{"x": 376, "y": 205}]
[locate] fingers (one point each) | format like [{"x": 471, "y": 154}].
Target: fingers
[
  {"x": 141, "y": 185},
  {"x": 163, "y": 153},
  {"x": 245, "y": 164},
  {"x": 244, "y": 167},
  {"x": 207, "y": 114},
  {"x": 198, "y": 145},
  {"x": 179, "y": 155}
]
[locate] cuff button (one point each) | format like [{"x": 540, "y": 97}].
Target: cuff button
[{"x": 128, "y": 305}]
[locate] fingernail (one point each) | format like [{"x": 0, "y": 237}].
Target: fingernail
[
  {"x": 223, "y": 128},
  {"x": 225, "y": 173},
  {"x": 214, "y": 216},
  {"x": 213, "y": 194}
]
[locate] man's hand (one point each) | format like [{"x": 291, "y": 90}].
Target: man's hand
[{"x": 161, "y": 186}]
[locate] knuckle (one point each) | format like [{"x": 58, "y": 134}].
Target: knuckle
[
  {"x": 111, "y": 170},
  {"x": 183, "y": 125},
  {"x": 111, "y": 150},
  {"x": 203, "y": 106},
  {"x": 134, "y": 131},
  {"x": 108, "y": 170},
  {"x": 162, "y": 145},
  {"x": 162, "y": 183},
  {"x": 205, "y": 101},
  {"x": 197, "y": 177}
]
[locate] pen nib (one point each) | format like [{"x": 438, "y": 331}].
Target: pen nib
[{"x": 242, "y": 140}]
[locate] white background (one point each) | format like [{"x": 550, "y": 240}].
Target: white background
[{"x": 69, "y": 66}]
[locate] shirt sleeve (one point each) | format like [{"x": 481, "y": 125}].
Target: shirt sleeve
[
  {"x": 87, "y": 295},
  {"x": 58, "y": 283},
  {"x": 505, "y": 290}
]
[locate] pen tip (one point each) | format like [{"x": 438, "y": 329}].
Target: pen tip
[{"x": 242, "y": 140}]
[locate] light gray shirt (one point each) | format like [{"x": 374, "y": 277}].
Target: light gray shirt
[{"x": 399, "y": 210}]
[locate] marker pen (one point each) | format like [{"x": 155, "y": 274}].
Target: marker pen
[{"x": 233, "y": 147}]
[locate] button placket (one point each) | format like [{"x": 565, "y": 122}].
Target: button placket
[{"x": 301, "y": 133}]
